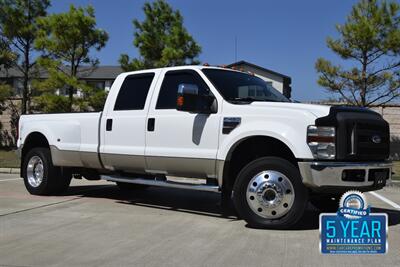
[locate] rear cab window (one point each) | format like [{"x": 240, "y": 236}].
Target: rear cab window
[{"x": 133, "y": 92}]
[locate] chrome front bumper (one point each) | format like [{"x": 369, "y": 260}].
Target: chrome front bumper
[{"x": 329, "y": 174}]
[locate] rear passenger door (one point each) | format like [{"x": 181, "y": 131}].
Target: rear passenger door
[{"x": 124, "y": 124}]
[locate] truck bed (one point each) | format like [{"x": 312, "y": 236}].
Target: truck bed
[{"x": 73, "y": 137}]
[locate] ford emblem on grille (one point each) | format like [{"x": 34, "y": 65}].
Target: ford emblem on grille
[{"x": 376, "y": 139}]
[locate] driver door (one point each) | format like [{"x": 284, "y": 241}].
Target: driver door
[{"x": 180, "y": 143}]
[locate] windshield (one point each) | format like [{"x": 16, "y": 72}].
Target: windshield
[{"x": 239, "y": 87}]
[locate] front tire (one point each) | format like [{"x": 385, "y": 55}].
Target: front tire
[
  {"x": 41, "y": 177},
  {"x": 269, "y": 193}
]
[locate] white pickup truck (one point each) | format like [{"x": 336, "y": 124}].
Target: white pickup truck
[{"x": 229, "y": 128}]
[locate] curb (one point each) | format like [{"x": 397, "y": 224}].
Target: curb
[{"x": 9, "y": 170}]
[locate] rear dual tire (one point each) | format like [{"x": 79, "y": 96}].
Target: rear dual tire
[
  {"x": 41, "y": 177},
  {"x": 269, "y": 193}
]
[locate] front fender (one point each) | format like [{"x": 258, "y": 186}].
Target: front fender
[{"x": 291, "y": 134}]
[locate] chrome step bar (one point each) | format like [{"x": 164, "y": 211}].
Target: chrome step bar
[{"x": 166, "y": 183}]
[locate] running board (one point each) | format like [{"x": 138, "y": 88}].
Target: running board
[{"x": 170, "y": 184}]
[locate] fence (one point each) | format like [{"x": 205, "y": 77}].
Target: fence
[
  {"x": 392, "y": 115},
  {"x": 7, "y": 131}
]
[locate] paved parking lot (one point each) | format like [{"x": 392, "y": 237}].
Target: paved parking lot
[{"x": 94, "y": 224}]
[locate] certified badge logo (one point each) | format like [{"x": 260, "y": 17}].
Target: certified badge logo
[
  {"x": 353, "y": 229},
  {"x": 353, "y": 205}
]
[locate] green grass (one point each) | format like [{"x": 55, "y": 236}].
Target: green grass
[{"x": 9, "y": 159}]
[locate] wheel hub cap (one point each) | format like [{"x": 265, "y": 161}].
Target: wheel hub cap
[
  {"x": 270, "y": 194},
  {"x": 35, "y": 171}
]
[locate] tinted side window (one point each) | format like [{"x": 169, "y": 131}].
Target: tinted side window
[
  {"x": 133, "y": 92},
  {"x": 169, "y": 88}
]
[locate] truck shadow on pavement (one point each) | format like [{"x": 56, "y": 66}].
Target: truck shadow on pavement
[{"x": 196, "y": 202}]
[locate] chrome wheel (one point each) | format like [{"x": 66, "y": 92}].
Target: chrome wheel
[
  {"x": 35, "y": 171},
  {"x": 270, "y": 194}
]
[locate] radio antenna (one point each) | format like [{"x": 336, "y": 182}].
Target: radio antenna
[{"x": 235, "y": 48}]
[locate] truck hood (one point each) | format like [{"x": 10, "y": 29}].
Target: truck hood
[{"x": 316, "y": 110}]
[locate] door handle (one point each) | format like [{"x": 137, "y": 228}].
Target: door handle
[
  {"x": 150, "y": 124},
  {"x": 109, "y": 124}
]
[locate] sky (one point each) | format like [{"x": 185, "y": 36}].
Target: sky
[{"x": 284, "y": 36}]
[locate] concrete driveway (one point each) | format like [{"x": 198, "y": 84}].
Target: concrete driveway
[{"x": 94, "y": 224}]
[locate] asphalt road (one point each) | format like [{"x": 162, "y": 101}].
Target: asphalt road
[{"x": 94, "y": 224}]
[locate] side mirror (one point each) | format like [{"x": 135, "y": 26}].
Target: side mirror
[{"x": 189, "y": 99}]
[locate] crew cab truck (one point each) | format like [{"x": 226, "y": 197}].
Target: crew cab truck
[{"x": 229, "y": 128}]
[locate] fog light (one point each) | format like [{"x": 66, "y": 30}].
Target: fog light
[{"x": 353, "y": 175}]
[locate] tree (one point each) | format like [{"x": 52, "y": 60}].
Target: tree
[
  {"x": 97, "y": 100},
  {"x": 370, "y": 41},
  {"x": 66, "y": 40},
  {"x": 18, "y": 25},
  {"x": 7, "y": 56},
  {"x": 52, "y": 103},
  {"x": 5, "y": 93},
  {"x": 7, "y": 59},
  {"x": 161, "y": 39}
]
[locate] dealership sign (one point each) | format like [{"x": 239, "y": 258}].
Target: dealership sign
[{"x": 353, "y": 229}]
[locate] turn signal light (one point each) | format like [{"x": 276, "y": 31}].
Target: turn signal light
[
  {"x": 180, "y": 101},
  {"x": 321, "y": 141}
]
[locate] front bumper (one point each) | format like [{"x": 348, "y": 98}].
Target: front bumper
[{"x": 320, "y": 175}]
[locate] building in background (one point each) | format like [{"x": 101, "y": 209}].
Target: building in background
[
  {"x": 102, "y": 77},
  {"x": 279, "y": 81}
]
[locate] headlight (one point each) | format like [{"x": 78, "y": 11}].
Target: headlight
[{"x": 321, "y": 141}]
